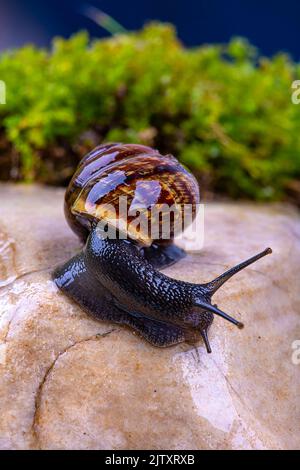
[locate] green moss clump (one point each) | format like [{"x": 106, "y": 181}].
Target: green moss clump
[{"x": 222, "y": 110}]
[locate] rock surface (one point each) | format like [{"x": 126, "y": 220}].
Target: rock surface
[{"x": 70, "y": 382}]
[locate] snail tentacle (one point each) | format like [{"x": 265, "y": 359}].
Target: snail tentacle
[
  {"x": 206, "y": 340},
  {"x": 211, "y": 308},
  {"x": 214, "y": 285}
]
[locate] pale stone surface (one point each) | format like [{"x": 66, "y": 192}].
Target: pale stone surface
[{"x": 68, "y": 381}]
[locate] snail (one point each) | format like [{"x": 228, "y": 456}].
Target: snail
[{"x": 118, "y": 278}]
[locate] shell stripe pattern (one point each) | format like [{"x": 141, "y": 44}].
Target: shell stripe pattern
[{"x": 142, "y": 174}]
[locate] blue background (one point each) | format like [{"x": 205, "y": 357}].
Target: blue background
[{"x": 269, "y": 25}]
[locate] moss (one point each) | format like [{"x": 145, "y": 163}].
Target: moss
[{"x": 221, "y": 109}]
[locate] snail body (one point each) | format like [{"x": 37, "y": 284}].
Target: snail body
[{"x": 119, "y": 279}]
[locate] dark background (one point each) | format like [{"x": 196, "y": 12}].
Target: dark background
[{"x": 269, "y": 25}]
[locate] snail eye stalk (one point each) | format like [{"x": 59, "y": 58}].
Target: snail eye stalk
[
  {"x": 212, "y": 308},
  {"x": 214, "y": 285}
]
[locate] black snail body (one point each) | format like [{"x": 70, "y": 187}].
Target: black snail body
[{"x": 118, "y": 279}]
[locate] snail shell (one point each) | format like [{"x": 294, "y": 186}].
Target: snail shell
[{"x": 138, "y": 172}]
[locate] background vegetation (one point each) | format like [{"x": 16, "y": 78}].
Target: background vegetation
[{"x": 223, "y": 111}]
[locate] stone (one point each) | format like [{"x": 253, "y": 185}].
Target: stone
[{"x": 68, "y": 381}]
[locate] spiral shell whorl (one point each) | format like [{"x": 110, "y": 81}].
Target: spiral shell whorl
[{"x": 138, "y": 172}]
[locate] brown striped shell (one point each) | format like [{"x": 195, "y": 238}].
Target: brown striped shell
[{"x": 140, "y": 173}]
